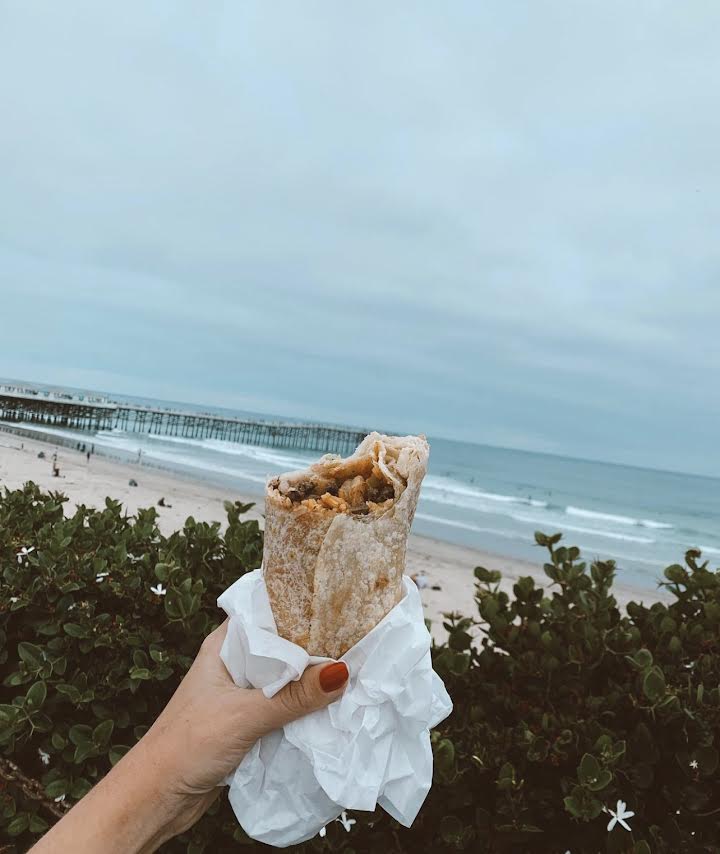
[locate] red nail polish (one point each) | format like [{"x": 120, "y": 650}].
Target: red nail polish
[{"x": 333, "y": 676}]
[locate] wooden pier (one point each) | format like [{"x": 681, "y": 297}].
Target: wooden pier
[{"x": 24, "y": 405}]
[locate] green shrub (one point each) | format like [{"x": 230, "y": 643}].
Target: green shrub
[{"x": 563, "y": 704}]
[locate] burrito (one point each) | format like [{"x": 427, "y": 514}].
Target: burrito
[{"x": 335, "y": 541}]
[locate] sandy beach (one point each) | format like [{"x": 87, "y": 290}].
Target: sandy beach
[{"x": 447, "y": 565}]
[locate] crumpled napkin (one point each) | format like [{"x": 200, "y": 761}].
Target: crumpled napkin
[{"x": 372, "y": 746}]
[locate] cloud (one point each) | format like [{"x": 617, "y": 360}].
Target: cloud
[{"x": 485, "y": 221}]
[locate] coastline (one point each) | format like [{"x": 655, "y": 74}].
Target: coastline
[{"x": 448, "y": 565}]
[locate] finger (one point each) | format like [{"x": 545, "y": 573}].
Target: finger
[{"x": 317, "y": 687}]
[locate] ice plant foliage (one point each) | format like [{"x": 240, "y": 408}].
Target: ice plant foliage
[{"x": 563, "y": 702}]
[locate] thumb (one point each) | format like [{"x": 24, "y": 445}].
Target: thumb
[{"x": 319, "y": 686}]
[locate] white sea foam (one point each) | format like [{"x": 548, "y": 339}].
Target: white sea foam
[
  {"x": 456, "y": 523},
  {"x": 613, "y": 517},
  {"x": 710, "y": 550},
  {"x": 130, "y": 445},
  {"x": 277, "y": 458},
  {"x": 75, "y": 435},
  {"x": 597, "y": 532},
  {"x": 448, "y": 491}
]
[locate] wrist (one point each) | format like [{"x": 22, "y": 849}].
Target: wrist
[
  {"x": 132, "y": 810},
  {"x": 159, "y": 807}
]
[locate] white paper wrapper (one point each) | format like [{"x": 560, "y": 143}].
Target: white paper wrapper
[{"x": 372, "y": 746}]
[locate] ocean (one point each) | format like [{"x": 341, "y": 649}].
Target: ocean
[{"x": 490, "y": 498}]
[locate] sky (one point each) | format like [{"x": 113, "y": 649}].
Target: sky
[{"x": 495, "y": 222}]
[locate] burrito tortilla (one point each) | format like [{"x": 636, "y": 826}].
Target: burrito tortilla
[{"x": 335, "y": 541}]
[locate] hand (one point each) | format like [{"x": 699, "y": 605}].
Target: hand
[{"x": 170, "y": 778}]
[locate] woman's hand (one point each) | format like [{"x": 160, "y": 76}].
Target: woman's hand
[{"x": 169, "y": 779}]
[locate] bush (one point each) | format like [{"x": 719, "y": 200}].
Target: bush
[{"x": 563, "y": 705}]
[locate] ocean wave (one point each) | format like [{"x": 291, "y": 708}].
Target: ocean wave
[
  {"x": 614, "y": 517},
  {"x": 597, "y": 532},
  {"x": 435, "y": 486},
  {"x": 268, "y": 455},
  {"x": 710, "y": 550},
  {"x": 131, "y": 446},
  {"x": 76, "y": 435},
  {"x": 467, "y": 526}
]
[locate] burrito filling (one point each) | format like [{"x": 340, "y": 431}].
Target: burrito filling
[{"x": 360, "y": 487}]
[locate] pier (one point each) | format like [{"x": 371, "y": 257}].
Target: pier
[{"x": 92, "y": 414}]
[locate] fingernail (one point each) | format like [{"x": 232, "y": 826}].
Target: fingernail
[{"x": 333, "y": 676}]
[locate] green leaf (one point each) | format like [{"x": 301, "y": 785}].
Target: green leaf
[
  {"x": 487, "y": 576},
  {"x": 140, "y": 673},
  {"x": 117, "y": 752},
  {"x": 102, "y": 733},
  {"x": 70, "y": 691},
  {"x": 445, "y": 755},
  {"x": 32, "y": 655},
  {"x": 58, "y": 742},
  {"x": 654, "y": 684},
  {"x": 489, "y": 607},
  {"x": 582, "y": 804},
  {"x": 36, "y": 695},
  {"x": 37, "y": 824},
  {"x": 18, "y": 825},
  {"x": 459, "y": 640},
  {"x": 172, "y": 608},
  {"x": 80, "y": 788},
  {"x": 8, "y": 712},
  {"x": 75, "y": 631},
  {"x": 81, "y": 734},
  {"x": 601, "y": 781},
  {"x": 82, "y": 751},
  {"x": 589, "y": 769},
  {"x": 451, "y": 828},
  {"x": 56, "y": 788},
  {"x": 642, "y": 658},
  {"x": 676, "y": 573}
]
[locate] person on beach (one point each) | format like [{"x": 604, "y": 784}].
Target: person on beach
[{"x": 170, "y": 778}]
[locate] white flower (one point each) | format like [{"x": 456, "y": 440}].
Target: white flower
[
  {"x": 619, "y": 814},
  {"x": 694, "y": 764},
  {"x": 13, "y": 600},
  {"x": 44, "y": 757},
  {"x": 59, "y": 799},
  {"x": 159, "y": 590},
  {"x": 346, "y": 822},
  {"x": 24, "y": 552},
  {"x": 101, "y": 576}
]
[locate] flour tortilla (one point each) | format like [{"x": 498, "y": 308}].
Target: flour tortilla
[{"x": 334, "y": 556}]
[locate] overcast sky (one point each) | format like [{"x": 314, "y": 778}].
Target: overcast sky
[{"x": 493, "y": 221}]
